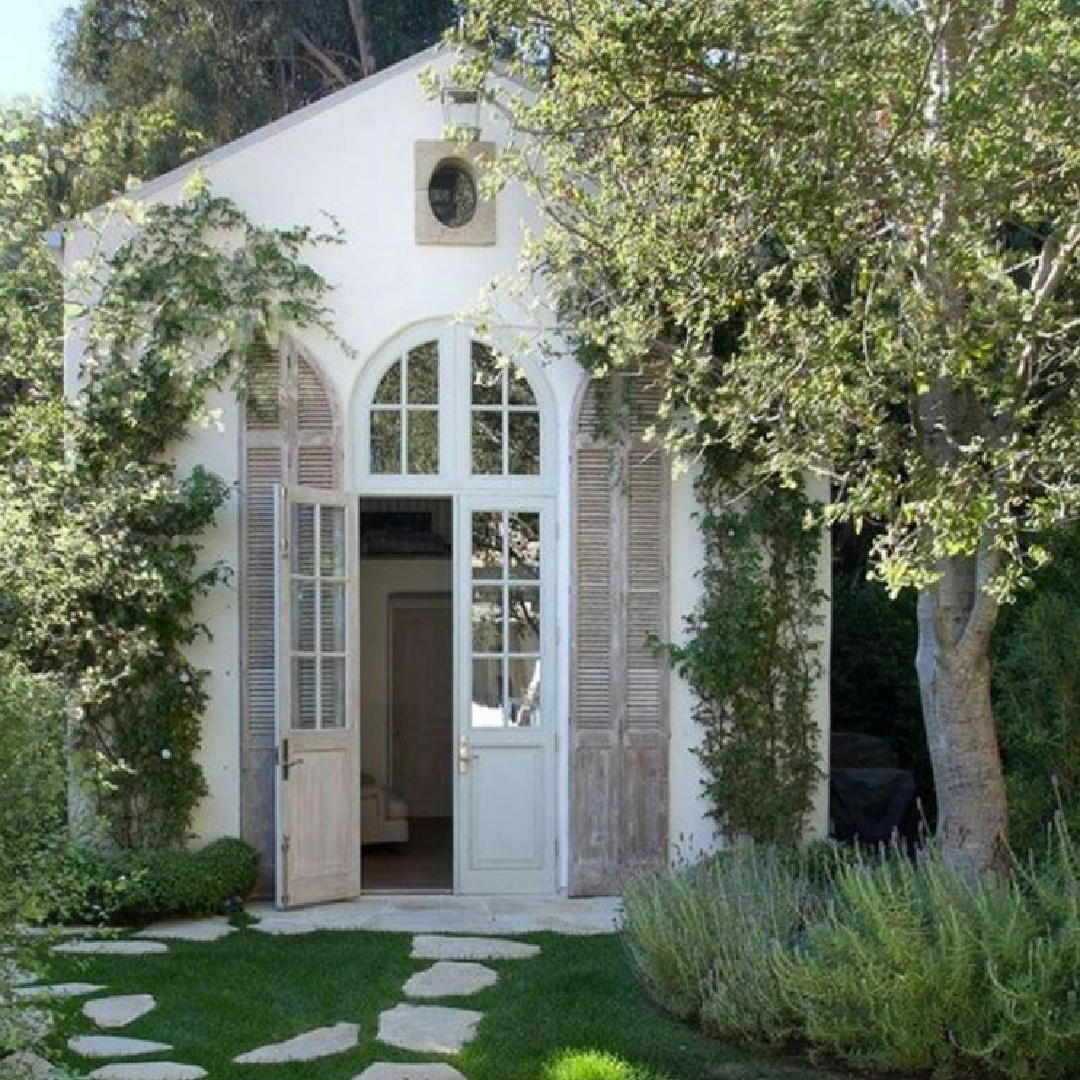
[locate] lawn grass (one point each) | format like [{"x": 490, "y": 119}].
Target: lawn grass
[{"x": 219, "y": 999}]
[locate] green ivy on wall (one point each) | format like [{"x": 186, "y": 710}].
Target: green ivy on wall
[
  {"x": 751, "y": 659},
  {"x": 103, "y": 567}
]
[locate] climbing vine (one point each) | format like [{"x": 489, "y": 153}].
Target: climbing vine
[
  {"x": 751, "y": 659},
  {"x": 102, "y": 566}
]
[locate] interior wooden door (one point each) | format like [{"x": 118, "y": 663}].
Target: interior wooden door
[
  {"x": 318, "y": 788},
  {"x": 505, "y": 813},
  {"x": 422, "y": 702}
]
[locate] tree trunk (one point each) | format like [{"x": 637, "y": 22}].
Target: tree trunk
[
  {"x": 953, "y": 664},
  {"x": 361, "y": 23}
]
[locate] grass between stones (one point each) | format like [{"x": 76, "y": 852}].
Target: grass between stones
[{"x": 542, "y": 1020}]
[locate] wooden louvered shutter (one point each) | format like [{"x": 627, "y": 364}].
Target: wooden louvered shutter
[
  {"x": 618, "y": 732},
  {"x": 291, "y": 437}
]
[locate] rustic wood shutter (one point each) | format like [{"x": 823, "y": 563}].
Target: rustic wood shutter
[
  {"x": 291, "y": 436},
  {"x": 619, "y": 726}
]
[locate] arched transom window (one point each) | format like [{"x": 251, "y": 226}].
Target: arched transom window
[
  {"x": 405, "y": 414},
  {"x": 447, "y": 408},
  {"x": 505, "y": 428}
]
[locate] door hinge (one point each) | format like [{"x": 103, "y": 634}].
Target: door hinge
[{"x": 285, "y": 842}]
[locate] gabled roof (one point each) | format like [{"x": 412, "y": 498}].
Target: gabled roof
[{"x": 276, "y": 127}]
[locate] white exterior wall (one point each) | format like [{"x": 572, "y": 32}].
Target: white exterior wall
[
  {"x": 691, "y": 833},
  {"x": 350, "y": 159}
]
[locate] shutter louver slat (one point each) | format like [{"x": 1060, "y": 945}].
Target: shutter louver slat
[
  {"x": 292, "y": 437},
  {"x": 619, "y": 682}
]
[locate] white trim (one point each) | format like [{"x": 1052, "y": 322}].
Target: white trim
[{"x": 455, "y": 476}]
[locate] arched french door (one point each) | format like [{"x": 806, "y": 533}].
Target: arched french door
[{"x": 438, "y": 416}]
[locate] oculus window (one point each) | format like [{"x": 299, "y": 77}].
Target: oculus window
[{"x": 452, "y": 194}]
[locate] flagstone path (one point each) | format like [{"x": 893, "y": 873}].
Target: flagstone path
[
  {"x": 58, "y": 990},
  {"x": 119, "y": 1011},
  {"x": 423, "y": 1029}
]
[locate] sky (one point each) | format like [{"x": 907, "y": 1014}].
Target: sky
[{"x": 26, "y": 45}]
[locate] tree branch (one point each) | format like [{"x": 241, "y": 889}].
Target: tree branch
[
  {"x": 362, "y": 31},
  {"x": 330, "y": 68},
  {"x": 1054, "y": 260},
  {"x": 984, "y": 608}
]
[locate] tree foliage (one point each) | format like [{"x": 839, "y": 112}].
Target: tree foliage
[
  {"x": 851, "y": 233},
  {"x": 224, "y": 67},
  {"x": 101, "y": 567}
]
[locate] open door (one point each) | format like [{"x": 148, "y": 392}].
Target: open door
[
  {"x": 318, "y": 748},
  {"x": 505, "y": 750}
]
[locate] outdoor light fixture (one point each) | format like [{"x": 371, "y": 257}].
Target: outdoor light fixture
[{"x": 461, "y": 113}]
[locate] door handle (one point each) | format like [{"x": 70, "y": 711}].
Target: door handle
[
  {"x": 464, "y": 754},
  {"x": 288, "y": 763}
]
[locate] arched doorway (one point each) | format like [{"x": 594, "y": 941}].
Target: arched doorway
[{"x": 415, "y": 632}]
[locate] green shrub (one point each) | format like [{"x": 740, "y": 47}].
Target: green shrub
[
  {"x": 35, "y": 875},
  {"x": 133, "y": 887},
  {"x": 705, "y": 939},
  {"x": 593, "y": 1065},
  {"x": 888, "y": 964},
  {"x": 914, "y": 967},
  {"x": 33, "y": 780},
  {"x": 1037, "y": 697}
]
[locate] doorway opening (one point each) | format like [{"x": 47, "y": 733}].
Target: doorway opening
[{"x": 406, "y": 694}]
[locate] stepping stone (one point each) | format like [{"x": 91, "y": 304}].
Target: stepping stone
[
  {"x": 437, "y": 947},
  {"x": 149, "y": 1070},
  {"x": 112, "y": 948},
  {"x": 58, "y": 990},
  {"x": 37, "y": 1023},
  {"x": 428, "y": 1029},
  {"x": 322, "y": 1042},
  {"x": 13, "y": 975},
  {"x": 27, "y": 1066},
  {"x": 384, "y": 1070},
  {"x": 450, "y": 978},
  {"x": 119, "y": 1011},
  {"x": 191, "y": 930},
  {"x": 113, "y": 1046}
]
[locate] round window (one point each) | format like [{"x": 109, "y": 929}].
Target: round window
[{"x": 452, "y": 194}]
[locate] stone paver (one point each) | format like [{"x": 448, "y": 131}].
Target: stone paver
[
  {"x": 26, "y": 1065},
  {"x": 321, "y": 1042},
  {"x": 435, "y": 947},
  {"x": 119, "y": 1011},
  {"x": 148, "y": 1070},
  {"x": 112, "y": 948},
  {"x": 114, "y": 1046},
  {"x": 58, "y": 990},
  {"x": 398, "y": 1070},
  {"x": 448, "y": 914},
  {"x": 450, "y": 978},
  {"x": 14, "y": 975},
  {"x": 190, "y": 930},
  {"x": 428, "y": 1029}
]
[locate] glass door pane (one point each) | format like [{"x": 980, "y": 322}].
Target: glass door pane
[
  {"x": 506, "y": 589},
  {"x": 318, "y": 562}
]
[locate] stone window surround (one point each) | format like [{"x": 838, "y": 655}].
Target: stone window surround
[{"x": 481, "y": 230}]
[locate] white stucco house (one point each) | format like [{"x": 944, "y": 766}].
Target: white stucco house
[{"x": 433, "y": 670}]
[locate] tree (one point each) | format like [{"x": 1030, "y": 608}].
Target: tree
[
  {"x": 224, "y": 67},
  {"x": 848, "y": 233}
]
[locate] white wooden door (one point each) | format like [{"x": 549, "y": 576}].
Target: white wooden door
[
  {"x": 318, "y": 749},
  {"x": 505, "y": 746}
]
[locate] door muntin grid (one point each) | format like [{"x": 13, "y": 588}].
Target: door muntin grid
[
  {"x": 506, "y": 619},
  {"x": 318, "y": 560}
]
